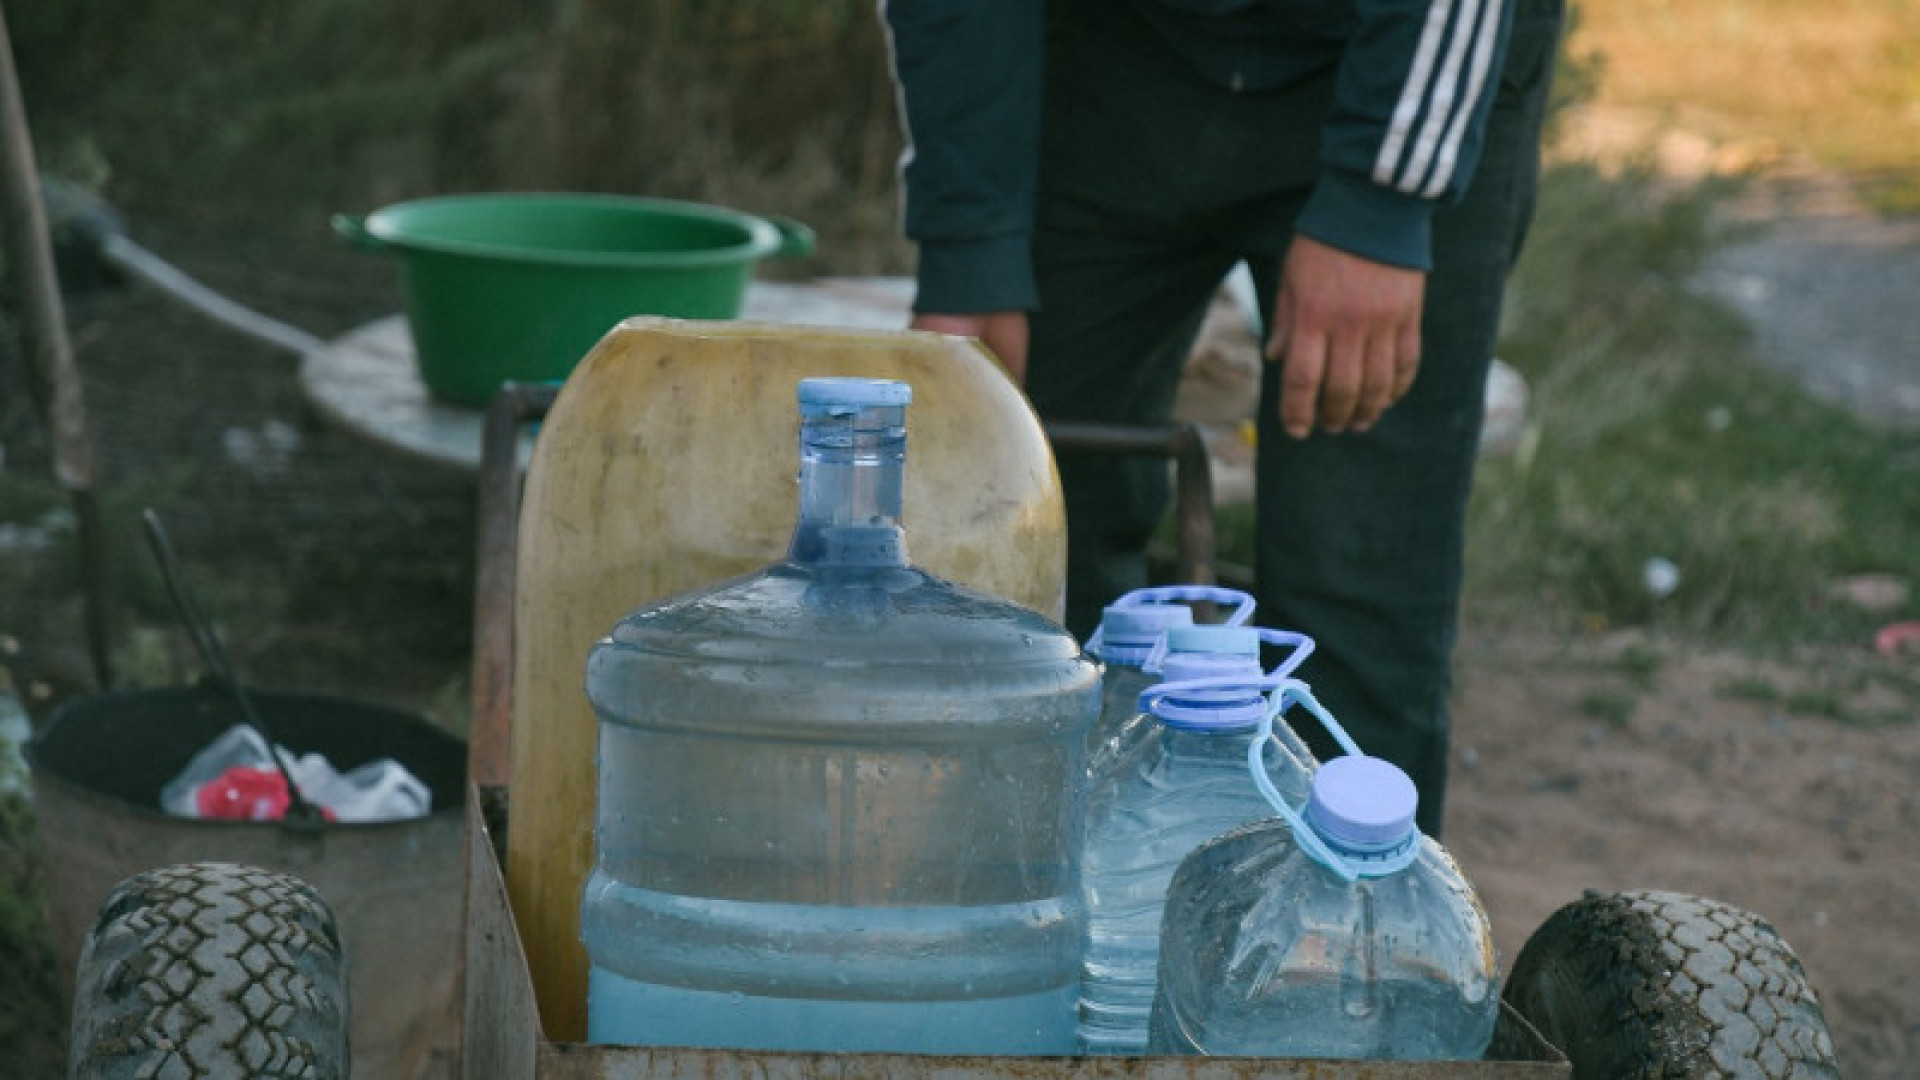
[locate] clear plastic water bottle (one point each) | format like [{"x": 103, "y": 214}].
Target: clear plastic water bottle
[
  {"x": 1129, "y": 629},
  {"x": 838, "y": 806},
  {"x": 1176, "y": 778},
  {"x": 1339, "y": 931}
]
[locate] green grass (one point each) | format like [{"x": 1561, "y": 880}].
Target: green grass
[
  {"x": 22, "y": 911},
  {"x": 1751, "y": 688},
  {"x": 1611, "y": 708},
  {"x": 1640, "y": 665},
  {"x": 30, "y": 1021},
  {"x": 1653, "y": 432},
  {"x": 335, "y": 105}
]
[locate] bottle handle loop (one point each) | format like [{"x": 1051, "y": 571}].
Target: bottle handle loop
[
  {"x": 1289, "y": 692},
  {"x": 1181, "y": 594},
  {"x": 1194, "y": 594}
]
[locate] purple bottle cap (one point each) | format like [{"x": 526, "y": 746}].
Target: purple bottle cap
[
  {"x": 1210, "y": 652},
  {"x": 1232, "y": 640},
  {"x": 1127, "y": 634},
  {"x": 1362, "y": 804},
  {"x": 1144, "y": 620}
]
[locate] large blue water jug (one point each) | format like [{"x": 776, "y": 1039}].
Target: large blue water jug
[
  {"x": 1173, "y": 778},
  {"x": 838, "y": 797},
  {"x": 1130, "y": 628},
  {"x": 1334, "y": 931}
]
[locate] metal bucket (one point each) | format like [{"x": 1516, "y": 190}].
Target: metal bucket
[{"x": 395, "y": 887}]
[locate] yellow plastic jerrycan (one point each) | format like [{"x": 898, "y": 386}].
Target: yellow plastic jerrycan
[{"x": 667, "y": 463}]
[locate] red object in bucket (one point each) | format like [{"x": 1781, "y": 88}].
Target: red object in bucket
[
  {"x": 246, "y": 793},
  {"x": 1897, "y": 638}
]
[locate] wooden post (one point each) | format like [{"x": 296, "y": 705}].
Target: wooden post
[{"x": 56, "y": 380}]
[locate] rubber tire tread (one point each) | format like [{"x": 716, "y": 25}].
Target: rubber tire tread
[
  {"x": 1647, "y": 985},
  {"x": 211, "y": 970}
]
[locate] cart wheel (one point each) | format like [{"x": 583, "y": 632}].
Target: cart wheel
[
  {"x": 207, "y": 970},
  {"x": 1660, "y": 984}
]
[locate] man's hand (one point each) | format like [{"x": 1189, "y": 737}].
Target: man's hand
[
  {"x": 1004, "y": 333},
  {"x": 1348, "y": 330}
]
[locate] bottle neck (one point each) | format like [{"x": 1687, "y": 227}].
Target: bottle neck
[
  {"x": 851, "y": 470},
  {"x": 1383, "y": 859}
]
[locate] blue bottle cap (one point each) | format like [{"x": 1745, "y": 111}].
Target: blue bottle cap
[
  {"x": 1363, "y": 805},
  {"x": 1208, "y": 652},
  {"x": 1227, "y": 640},
  {"x": 1145, "y": 621},
  {"x": 1128, "y": 635},
  {"x": 828, "y": 395}
]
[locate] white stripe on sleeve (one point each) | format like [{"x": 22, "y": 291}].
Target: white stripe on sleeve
[
  {"x": 1483, "y": 48},
  {"x": 899, "y": 92},
  {"x": 1407, "y": 109},
  {"x": 1445, "y": 97}
]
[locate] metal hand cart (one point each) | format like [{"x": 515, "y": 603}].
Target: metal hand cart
[{"x": 1634, "y": 983}]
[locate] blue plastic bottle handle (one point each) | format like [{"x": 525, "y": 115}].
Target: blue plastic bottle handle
[
  {"x": 1181, "y": 594},
  {"x": 1194, "y": 594},
  {"x": 1294, "y": 692}
]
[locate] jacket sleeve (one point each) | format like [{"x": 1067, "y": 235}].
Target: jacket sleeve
[
  {"x": 1410, "y": 111},
  {"x": 969, "y": 77}
]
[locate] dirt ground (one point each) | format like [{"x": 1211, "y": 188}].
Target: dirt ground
[
  {"x": 334, "y": 566},
  {"x": 1804, "y": 821}
]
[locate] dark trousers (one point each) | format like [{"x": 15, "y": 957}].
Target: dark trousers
[{"x": 1154, "y": 184}]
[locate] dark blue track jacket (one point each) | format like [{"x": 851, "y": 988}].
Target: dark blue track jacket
[{"x": 1414, "y": 81}]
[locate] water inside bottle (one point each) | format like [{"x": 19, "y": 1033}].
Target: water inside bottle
[
  {"x": 1269, "y": 954},
  {"x": 838, "y": 801},
  {"x": 1176, "y": 776},
  {"x": 1336, "y": 930}
]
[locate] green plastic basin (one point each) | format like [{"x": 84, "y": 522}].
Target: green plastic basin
[{"x": 519, "y": 286}]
